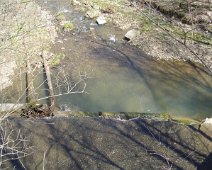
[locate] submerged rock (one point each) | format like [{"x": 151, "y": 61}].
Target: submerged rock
[
  {"x": 112, "y": 38},
  {"x": 101, "y": 20},
  {"x": 132, "y": 34},
  {"x": 67, "y": 25}
]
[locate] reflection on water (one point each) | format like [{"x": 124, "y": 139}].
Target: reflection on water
[{"x": 124, "y": 79}]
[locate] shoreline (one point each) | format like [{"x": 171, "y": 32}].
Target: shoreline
[{"x": 156, "y": 41}]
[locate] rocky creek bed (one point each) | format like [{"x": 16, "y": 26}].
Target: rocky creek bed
[{"x": 162, "y": 35}]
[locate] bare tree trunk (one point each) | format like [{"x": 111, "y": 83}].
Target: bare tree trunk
[{"x": 49, "y": 82}]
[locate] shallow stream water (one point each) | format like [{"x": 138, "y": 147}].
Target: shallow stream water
[{"x": 122, "y": 77}]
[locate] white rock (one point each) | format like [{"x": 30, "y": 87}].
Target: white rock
[
  {"x": 132, "y": 34},
  {"x": 207, "y": 125},
  {"x": 75, "y": 2},
  {"x": 208, "y": 121},
  {"x": 112, "y": 38},
  {"x": 101, "y": 20},
  {"x": 65, "y": 10}
]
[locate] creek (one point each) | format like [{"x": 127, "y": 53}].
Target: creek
[{"x": 122, "y": 77}]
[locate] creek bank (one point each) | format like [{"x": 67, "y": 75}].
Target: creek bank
[
  {"x": 99, "y": 143},
  {"x": 190, "y": 12},
  {"x": 159, "y": 37},
  {"x": 26, "y": 30},
  {"x": 38, "y": 111}
]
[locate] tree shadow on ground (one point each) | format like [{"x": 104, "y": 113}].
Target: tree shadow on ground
[
  {"x": 206, "y": 164},
  {"x": 98, "y": 143}
]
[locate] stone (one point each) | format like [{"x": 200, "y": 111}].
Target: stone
[
  {"x": 206, "y": 126},
  {"x": 75, "y": 2},
  {"x": 208, "y": 121},
  {"x": 92, "y": 13},
  {"x": 132, "y": 34},
  {"x": 101, "y": 20}
]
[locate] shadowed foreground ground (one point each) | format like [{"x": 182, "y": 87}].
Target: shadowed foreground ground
[{"x": 99, "y": 143}]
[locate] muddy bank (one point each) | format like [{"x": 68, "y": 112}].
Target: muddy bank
[{"x": 99, "y": 143}]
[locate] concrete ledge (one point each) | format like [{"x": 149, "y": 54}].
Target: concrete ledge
[{"x": 5, "y": 107}]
